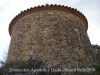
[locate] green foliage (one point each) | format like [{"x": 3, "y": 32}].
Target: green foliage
[
  {"x": 96, "y": 47},
  {"x": 38, "y": 64},
  {"x": 29, "y": 64}
]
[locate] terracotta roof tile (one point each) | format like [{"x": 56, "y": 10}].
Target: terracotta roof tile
[{"x": 48, "y": 7}]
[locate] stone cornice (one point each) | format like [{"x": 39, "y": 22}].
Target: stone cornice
[{"x": 48, "y": 7}]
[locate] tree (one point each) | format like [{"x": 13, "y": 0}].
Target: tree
[{"x": 96, "y": 49}]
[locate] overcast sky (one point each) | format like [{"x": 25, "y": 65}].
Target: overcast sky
[{"x": 10, "y": 8}]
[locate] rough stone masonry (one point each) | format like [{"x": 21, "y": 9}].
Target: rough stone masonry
[{"x": 54, "y": 33}]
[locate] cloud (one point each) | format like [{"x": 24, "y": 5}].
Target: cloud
[
  {"x": 73, "y": 2},
  {"x": 94, "y": 34}
]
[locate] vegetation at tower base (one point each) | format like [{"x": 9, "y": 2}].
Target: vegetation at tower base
[
  {"x": 96, "y": 49},
  {"x": 25, "y": 68},
  {"x": 38, "y": 64}
]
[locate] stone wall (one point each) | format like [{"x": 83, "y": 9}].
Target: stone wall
[{"x": 56, "y": 36}]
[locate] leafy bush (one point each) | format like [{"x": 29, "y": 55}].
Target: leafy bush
[{"x": 38, "y": 64}]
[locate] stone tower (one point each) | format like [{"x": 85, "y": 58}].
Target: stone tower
[{"x": 54, "y": 33}]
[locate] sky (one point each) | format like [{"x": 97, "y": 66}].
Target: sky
[{"x": 10, "y": 8}]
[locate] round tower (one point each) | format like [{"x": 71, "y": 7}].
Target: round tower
[{"x": 54, "y": 33}]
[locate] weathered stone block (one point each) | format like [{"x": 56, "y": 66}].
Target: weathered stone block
[{"x": 60, "y": 37}]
